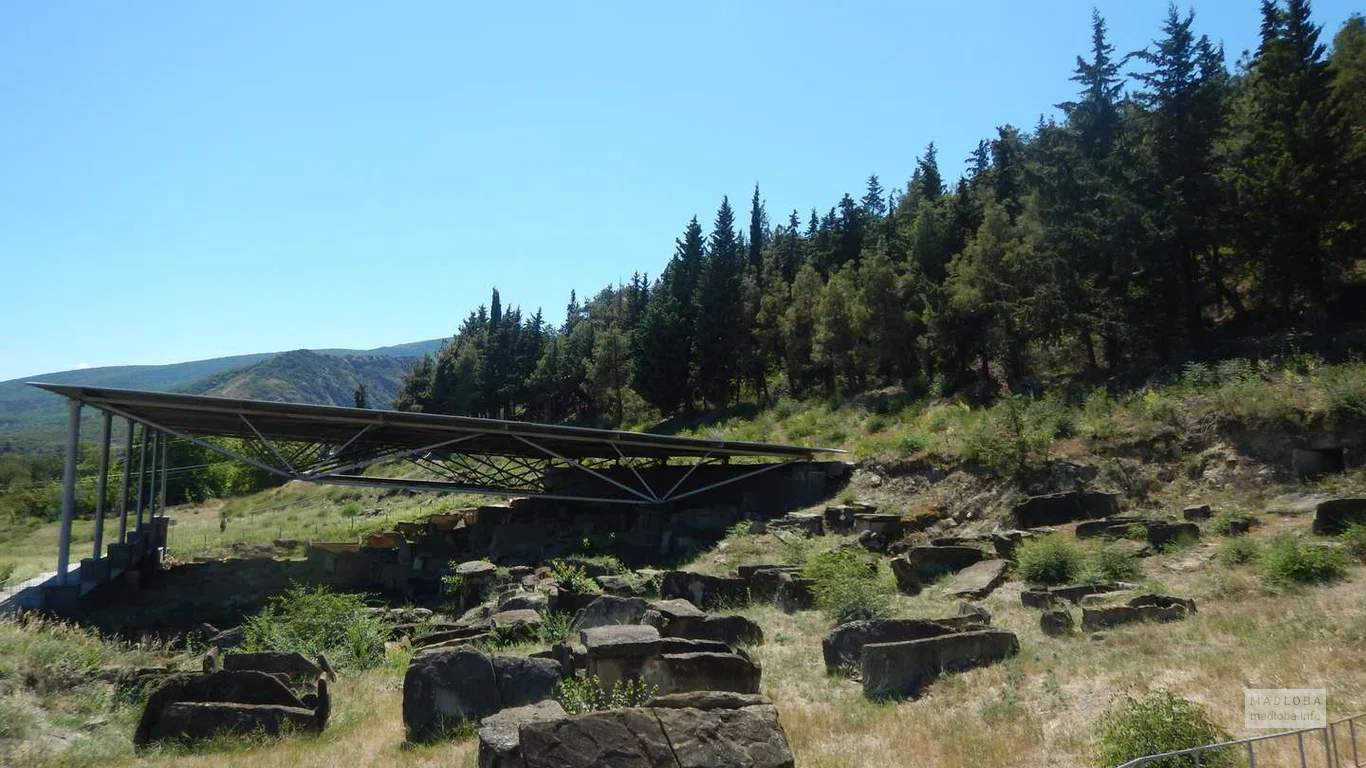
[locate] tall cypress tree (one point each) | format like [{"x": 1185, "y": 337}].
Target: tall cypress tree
[{"x": 717, "y": 331}]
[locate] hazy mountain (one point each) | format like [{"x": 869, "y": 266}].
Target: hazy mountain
[{"x": 32, "y": 419}]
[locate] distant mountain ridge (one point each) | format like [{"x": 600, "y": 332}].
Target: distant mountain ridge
[{"x": 31, "y": 419}]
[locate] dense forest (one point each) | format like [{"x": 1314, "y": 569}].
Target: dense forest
[{"x": 1176, "y": 194}]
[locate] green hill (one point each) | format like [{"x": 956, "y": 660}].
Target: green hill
[{"x": 303, "y": 376}]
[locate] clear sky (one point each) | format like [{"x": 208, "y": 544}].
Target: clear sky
[{"x": 183, "y": 180}]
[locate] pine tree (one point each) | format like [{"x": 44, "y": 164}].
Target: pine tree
[
  {"x": 758, "y": 231},
  {"x": 360, "y": 397},
  {"x": 717, "y": 335},
  {"x": 873, "y": 203}
]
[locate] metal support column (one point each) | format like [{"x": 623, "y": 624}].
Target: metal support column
[
  {"x": 73, "y": 436},
  {"x": 152, "y": 479},
  {"x": 102, "y": 483},
  {"x": 127, "y": 476},
  {"x": 165, "y": 465},
  {"x": 142, "y": 477}
]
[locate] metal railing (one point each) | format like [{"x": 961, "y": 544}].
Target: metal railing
[{"x": 1321, "y": 747}]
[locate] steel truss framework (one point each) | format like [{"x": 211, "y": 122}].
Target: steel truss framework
[{"x": 456, "y": 454}]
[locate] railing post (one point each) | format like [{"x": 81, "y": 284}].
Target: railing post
[
  {"x": 102, "y": 484},
  {"x": 165, "y": 463},
  {"x": 127, "y": 477},
  {"x": 142, "y": 477},
  {"x": 73, "y": 436}
]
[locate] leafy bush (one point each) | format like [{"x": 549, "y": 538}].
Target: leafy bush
[
  {"x": 1049, "y": 560},
  {"x": 582, "y": 694},
  {"x": 1290, "y": 560},
  {"x": 1116, "y": 562},
  {"x": 314, "y": 620},
  {"x": 557, "y": 627},
  {"x": 573, "y": 577},
  {"x": 1157, "y": 723},
  {"x": 1238, "y": 550},
  {"x": 6, "y": 573},
  {"x": 1229, "y": 521},
  {"x": 846, "y": 588},
  {"x": 1354, "y": 539}
]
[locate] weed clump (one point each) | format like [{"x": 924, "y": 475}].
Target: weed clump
[
  {"x": 314, "y": 620},
  {"x": 1238, "y": 551},
  {"x": 573, "y": 578},
  {"x": 846, "y": 588},
  {"x": 1354, "y": 540},
  {"x": 1290, "y": 561},
  {"x": 1157, "y": 723},
  {"x": 1050, "y": 560},
  {"x": 582, "y": 694},
  {"x": 1116, "y": 562},
  {"x": 1232, "y": 522}
]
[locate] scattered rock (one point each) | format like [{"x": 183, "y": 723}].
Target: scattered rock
[
  {"x": 706, "y": 671},
  {"x": 978, "y": 580},
  {"x": 1197, "y": 512},
  {"x": 1047, "y": 597},
  {"x": 228, "y": 638},
  {"x": 1114, "y": 527},
  {"x": 462, "y": 683},
  {"x": 1311, "y": 463},
  {"x": 705, "y": 591},
  {"x": 193, "y": 720},
  {"x": 725, "y": 736},
  {"x": 524, "y": 601},
  {"x": 1333, "y": 516},
  {"x": 886, "y": 525},
  {"x": 1161, "y": 533},
  {"x": 292, "y": 664},
  {"x": 904, "y": 668},
  {"x": 499, "y": 734},
  {"x": 843, "y": 647},
  {"x": 731, "y": 630},
  {"x": 609, "y": 610},
  {"x": 1160, "y": 608},
  {"x": 1056, "y": 623},
  {"x": 708, "y": 700},
  {"x": 922, "y": 565},
  {"x": 1059, "y": 508}
]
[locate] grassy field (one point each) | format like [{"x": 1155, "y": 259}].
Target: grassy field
[{"x": 1036, "y": 709}]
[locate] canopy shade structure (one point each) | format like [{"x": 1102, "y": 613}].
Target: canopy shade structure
[{"x": 335, "y": 444}]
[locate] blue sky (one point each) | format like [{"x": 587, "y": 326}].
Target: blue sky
[{"x": 189, "y": 180}]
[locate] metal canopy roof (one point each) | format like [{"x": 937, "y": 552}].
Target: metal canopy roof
[{"x": 206, "y": 416}]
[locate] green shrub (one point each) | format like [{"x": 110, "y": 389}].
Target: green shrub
[
  {"x": 1116, "y": 562},
  {"x": 314, "y": 620},
  {"x": 1157, "y": 723},
  {"x": 6, "y": 573},
  {"x": 573, "y": 578},
  {"x": 1237, "y": 551},
  {"x": 582, "y": 694},
  {"x": 557, "y": 627},
  {"x": 1291, "y": 560},
  {"x": 1354, "y": 539},
  {"x": 1052, "y": 559},
  {"x": 1229, "y": 521},
  {"x": 1136, "y": 532},
  {"x": 846, "y": 588}
]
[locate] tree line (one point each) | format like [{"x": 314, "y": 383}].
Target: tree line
[{"x": 1173, "y": 193}]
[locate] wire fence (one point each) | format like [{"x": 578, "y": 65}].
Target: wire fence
[{"x": 1334, "y": 745}]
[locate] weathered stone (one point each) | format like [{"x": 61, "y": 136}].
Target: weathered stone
[
  {"x": 524, "y": 601},
  {"x": 886, "y": 525},
  {"x": 445, "y": 636},
  {"x": 780, "y": 584},
  {"x": 920, "y": 566},
  {"x": 682, "y": 672},
  {"x": 748, "y": 736},
  {"x": 705, "y": 591},
  {"x": 500, "y": 743},
  {"x": 618, "y": 738},
  {"x": 1197, "y": 512},
  {"x": 843, "y": 647},
  {"x": 1162, "y": 533},
  {"x": 1333, "y": 516},
  {"x": 1115, "y": 615},
  {"x": 228, "y": 638},
  {"x": 978, "y": 580},
  {"x": 193, "y": 720},
  {"x": 1056, "y": 622},
  {"x": 237, "y": 687},
  {"x": 292, "y": 663},
  {"x": 626, "y": 640},
  {"x": 904, "y": 668},
  {"x": 524, "y": 680},
  {"x": 1163, "y": 601},
  {"x": 521, "y": 617},
  {"x": 708, "y": 700},
  {"x": 676, "y": 609},
  {"x": 973, "y": 611},
  {"x": 615, "y": 584},
  {"x": 1059, "y": 508},
  {"x": 688, "y": 645},
  {"x": 731, "y": 630},
  {"x": 564, "y": 601},
  {"x": 1072, "y": 593},
  {"x": 1114, "y": 527},
  {"x": 609, "y": 610},
  {"x": 447, "y": 685}
]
